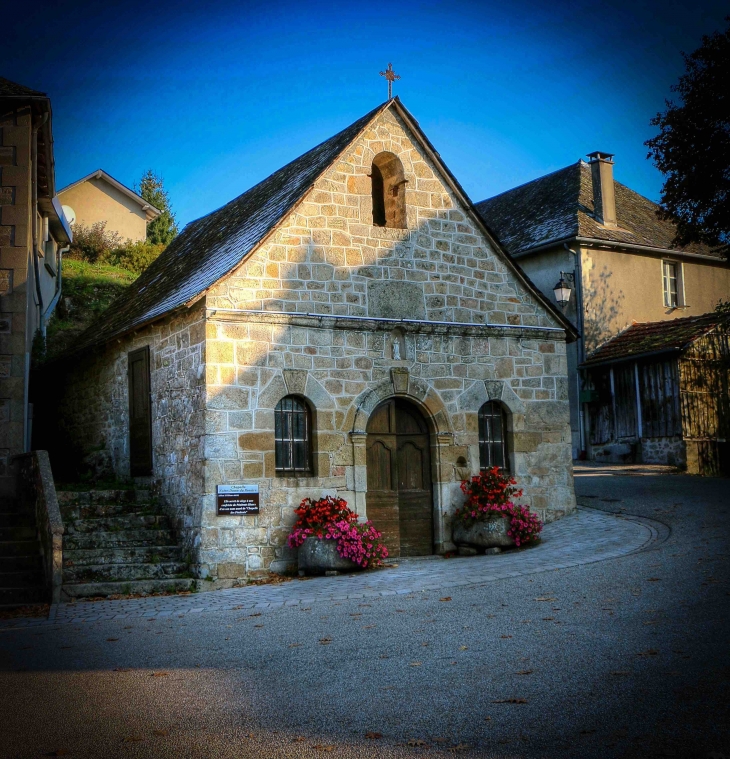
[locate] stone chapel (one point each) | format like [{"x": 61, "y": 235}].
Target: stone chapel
[{"x": 348, "y": 326}]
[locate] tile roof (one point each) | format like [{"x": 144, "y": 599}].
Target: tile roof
[
  {"x": 654, "y": 337},
  {"x": 212, "y": 246},
  {"x": 559, "y": 206},
  {"x": 11, "y": 89}
]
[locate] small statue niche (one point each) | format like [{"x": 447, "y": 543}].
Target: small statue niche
[{"x": 397, "y": 345}]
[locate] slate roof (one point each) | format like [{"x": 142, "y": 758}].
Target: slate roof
[
  {"x": 559, "y": 206},
  {"x": 212, "y": 246},
  {"x": 674, "y": 335},
  {"x": 12, "y": 89}
]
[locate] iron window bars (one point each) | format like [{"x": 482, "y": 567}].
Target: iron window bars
[
  {"x": 492, "y": 437},
  {"x": 292, "y": 435}
]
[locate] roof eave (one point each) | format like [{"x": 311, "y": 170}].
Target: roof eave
[
  {"x": 150, "y": 211},
  {"x": 597, "y": 241},
  {"x": 630, "y": 357}
]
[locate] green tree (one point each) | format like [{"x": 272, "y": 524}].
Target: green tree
[
  {"x": 163, "y": 230},
  {"x": 692, "y": 148}
]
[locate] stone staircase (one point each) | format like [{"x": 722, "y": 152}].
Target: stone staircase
[
  {"x": 118, "y": 542},
  {"x": 21, "y": 568}
]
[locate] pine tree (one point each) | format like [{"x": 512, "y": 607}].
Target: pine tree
[{"x": 163, "y": 229}]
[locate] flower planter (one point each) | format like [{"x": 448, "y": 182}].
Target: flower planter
[
  {"x": 486, "y": 533},
  {"x": 317, "y": 556}
]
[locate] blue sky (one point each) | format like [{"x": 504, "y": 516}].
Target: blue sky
[{"x": 217, "y": 95}]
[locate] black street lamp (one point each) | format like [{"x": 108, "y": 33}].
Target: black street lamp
[{"x": 562, "y": 289}]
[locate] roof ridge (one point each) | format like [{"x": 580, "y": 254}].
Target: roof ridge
[
  {"x": 229, "y": 234},
  {"x": 531, "y": 181},
  {"x": 287, "y": 165},
  {"x": 127, "y": 190}
]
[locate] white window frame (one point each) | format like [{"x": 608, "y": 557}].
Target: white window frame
[{"x": 679, "y": 278}]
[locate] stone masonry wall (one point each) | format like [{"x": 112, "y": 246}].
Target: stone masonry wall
[
  {"x": 327, "y": 259},
  {"x": 94, "y": 413},
  {"x": 448, "y": 372},
  {"x": 15, "y": 332}
]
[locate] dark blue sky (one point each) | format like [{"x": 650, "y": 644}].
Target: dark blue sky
[{"x": 218, "y": 94}]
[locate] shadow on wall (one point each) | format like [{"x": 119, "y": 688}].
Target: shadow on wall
[
  {"x": 601, "y": 321},
  {"x": 432, "y": 272}
]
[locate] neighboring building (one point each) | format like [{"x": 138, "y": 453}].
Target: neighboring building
[
  {"x": 99, "y": 197},
  {"x": 346, "y": 326},
  {"x": 665, "y": 386},
  {"x": 620, "y": 266},
  {"x": 33, "y": 237}
]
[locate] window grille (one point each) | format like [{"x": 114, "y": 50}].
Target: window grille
[
  {"x": 492, "y": 437},
  {"x": 292, "y": 435}
]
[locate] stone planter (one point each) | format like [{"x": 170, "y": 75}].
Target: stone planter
[
  {"x": 319, "y": 556},
  {"x": 489, "y": 533}
]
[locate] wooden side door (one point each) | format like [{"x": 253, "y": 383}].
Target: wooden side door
[
  {"x": 140, "y": 413},
  {"x": 382, "y": 496}
]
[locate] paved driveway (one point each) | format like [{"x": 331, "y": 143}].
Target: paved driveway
[{"x": 609, "y": 640}]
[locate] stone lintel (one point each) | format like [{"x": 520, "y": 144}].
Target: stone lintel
[{"x": 371, "y": 324}]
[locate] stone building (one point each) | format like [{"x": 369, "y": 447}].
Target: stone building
[
  {"x": 346, "y": 326},
  {"x": 33, "y": 237}
]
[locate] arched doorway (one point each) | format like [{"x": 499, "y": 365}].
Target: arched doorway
[{"x": 399, "y": 496}]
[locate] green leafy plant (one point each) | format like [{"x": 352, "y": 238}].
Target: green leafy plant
[
  {"x": 489, "y": 494},
  {"x": 331, "y": 519}
]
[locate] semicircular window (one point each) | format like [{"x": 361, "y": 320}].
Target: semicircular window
[{"x": 293, "y": 437}]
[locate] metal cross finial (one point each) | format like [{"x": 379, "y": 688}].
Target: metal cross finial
[{"x": 391, "y": 76}]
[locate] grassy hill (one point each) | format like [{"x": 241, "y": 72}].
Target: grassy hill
[{"x": 87, "y": 290}]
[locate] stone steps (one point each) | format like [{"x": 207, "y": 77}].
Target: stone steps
[
  {"x": 19, "y": 548},
  {"x": 131, "y": 587},
  {"x": 21, "y": 532},
  {"x": 20, "y": 563},
  {"x": 115, "y": 555},
  {"x": 17, "y": 519},
  {"x": 22, "y": 596},
  {"x": 85, "y": 573},
  {"x": 120, "y": 539},
  {"x": 118, "y": 542},
  {"x": 103, "y": 503},
  {"x": 22, "y": 582},
  {"x": 126, "y": 523}
]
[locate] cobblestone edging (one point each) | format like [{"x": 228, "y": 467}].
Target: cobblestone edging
[{"x": 587, "y": 536}]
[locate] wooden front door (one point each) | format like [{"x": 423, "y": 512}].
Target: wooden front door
[
  {"x": 399, "y": 498},
  {"x": 140, "y": 416}
]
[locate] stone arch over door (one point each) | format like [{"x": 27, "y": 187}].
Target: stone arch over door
[
  {"x": 399, "y": 477},
  {"x": 441, "y": 439}
]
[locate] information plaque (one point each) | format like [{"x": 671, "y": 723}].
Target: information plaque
[{"x": 237, "y": 500}]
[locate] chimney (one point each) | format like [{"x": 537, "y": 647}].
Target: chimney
[{"x": 604, "y": 197}]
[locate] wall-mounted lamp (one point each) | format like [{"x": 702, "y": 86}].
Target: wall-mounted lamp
[{"x": 562, "y": 289}]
